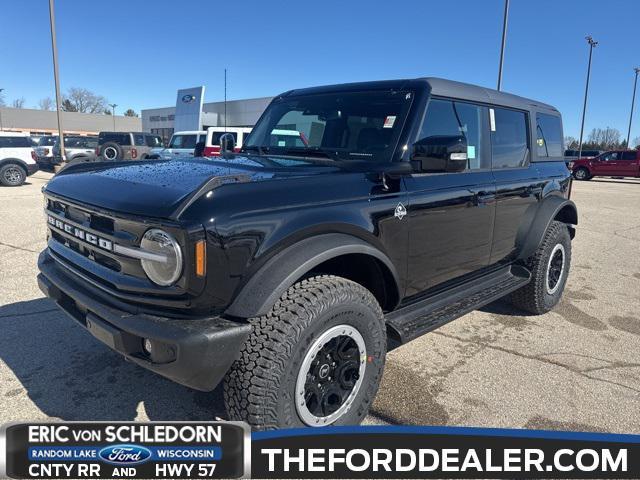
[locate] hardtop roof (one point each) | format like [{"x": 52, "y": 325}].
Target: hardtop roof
[{"x": 438, "y": 87}]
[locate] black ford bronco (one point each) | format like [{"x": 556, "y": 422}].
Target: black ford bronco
[{"x": 356, "y": 218}]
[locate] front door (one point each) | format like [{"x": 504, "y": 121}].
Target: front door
[
  {"x": 451, "y": 214},
  {"x": 605, "y": 164}
]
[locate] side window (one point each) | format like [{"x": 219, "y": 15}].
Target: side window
[
  {"x": 4, "y": 142},
  {"x": 610, "y": 156},
  {"x": 447, "y": 118},
  {"x": 138, "y": 139},
  {"x": 629, "y": 155},
  {"x": 549, "y": 135},
  {"x": 509, "y": 138}
]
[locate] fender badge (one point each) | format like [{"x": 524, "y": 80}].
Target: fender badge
[{"x": 400, "y": 211}]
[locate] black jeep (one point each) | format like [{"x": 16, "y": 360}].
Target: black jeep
[{"x": 356, "y": 218}]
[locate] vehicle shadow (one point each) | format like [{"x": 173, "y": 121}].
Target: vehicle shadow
[
  {"x": 621, "y": 180},
  {"x": 70, "y": 375}
]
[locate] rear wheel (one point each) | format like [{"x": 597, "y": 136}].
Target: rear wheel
[
  {"x": 582, "y": 174},
  {"x": 549, "y": 267},
  {"x": 12, "y": 175},
  {"x": 316, "y": 359}
]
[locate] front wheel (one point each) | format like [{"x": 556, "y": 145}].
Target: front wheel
[
  {"x": 549, "y": 267},
  {"x": 315, "y": 359},
  {"x": 582, "y": 174}
]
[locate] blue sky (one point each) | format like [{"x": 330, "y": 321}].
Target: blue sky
[{"x": 138, "y": 53}]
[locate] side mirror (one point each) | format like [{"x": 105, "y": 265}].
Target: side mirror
[
  {"x": 227, "y": 144},
  {"x": 440, "y": 153}
]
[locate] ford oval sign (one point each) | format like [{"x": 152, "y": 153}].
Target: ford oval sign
[
  {"x": 125, "y": 454},
  {"x": 188, "y": 98}
]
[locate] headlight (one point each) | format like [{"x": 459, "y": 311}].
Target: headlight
[{"x": 165, "y": 267}]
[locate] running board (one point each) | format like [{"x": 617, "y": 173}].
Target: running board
[{"x": 421, "y": 317}]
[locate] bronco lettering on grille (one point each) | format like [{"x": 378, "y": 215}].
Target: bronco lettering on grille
[{"x": 80, "y": 234}]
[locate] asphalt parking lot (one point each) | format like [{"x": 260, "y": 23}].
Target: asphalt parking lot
[{"x": 575, "y": 368}]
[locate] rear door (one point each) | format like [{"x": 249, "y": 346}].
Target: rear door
[
  {"x": 627, "y": 164},
  {"x": 518, "y": 184},
  {"x": 451, "y": 214}
]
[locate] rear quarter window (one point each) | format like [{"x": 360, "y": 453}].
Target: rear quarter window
[
  {"x": 119, "y": 138},
  {"x": 549, "y": 135}
]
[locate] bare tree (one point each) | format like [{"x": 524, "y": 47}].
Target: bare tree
[
  {"x": 18, "y": 103},
  {"x": 636, "y": 142},
  {"x": 604, "y": 139},
  {"x": 46, "y": 104},
  {"x": 85, "y": 101},
  {"x": 130, "y": 113},
  {"x": 2, "y": 104},
  {"x": 570, "y": 143}
]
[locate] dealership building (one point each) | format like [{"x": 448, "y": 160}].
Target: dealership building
[
  {"x": 191, "y": 113},
  {"x": 44, "y": 122}
]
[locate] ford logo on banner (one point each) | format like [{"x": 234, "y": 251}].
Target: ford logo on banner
[
  {"x": 125, "y": 454},
  {"x": 188, "y": 98}
]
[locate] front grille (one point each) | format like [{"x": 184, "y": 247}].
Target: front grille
[{"x": 86, "y": 238}]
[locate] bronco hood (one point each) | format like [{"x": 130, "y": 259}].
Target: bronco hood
[{"x": 161, "y": 189}]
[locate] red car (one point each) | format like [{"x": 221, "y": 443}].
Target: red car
[{"x": 614, "y": 163}]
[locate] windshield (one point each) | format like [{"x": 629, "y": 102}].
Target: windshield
[{"x": 339, "y": 125}]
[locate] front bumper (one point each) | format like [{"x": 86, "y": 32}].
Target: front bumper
[{"x": 193, "y": 352}]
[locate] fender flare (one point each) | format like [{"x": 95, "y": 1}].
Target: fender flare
[
  {"x": 22, "y": 163},
  {"x": 547, "y": 212},
  {"x": 267, "y": 285}
]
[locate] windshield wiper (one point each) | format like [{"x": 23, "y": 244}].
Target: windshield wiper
[
  {"x": 256, "y": 148},
  {"x": 311, "y": 151}
]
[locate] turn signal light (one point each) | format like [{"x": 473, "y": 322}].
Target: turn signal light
[{"x": 201, "y": 258}]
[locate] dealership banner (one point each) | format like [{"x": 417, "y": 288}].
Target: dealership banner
[
  {"x": 228, "y": 450},
  {"x": 124, "y": 450}
]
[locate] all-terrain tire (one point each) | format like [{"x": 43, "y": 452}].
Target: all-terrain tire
[
  {"x": 260, "y": 386},
  {"x": 12, "y": 175},
  {"x": 537, "y": 297}
]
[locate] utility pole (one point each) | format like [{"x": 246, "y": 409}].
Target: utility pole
[
  {"x": 225, "y": 100},
  {"x": 592, "y": 44},
  {"x": 633, "y": 101},
  {"x": 54, "y": 48},
  {"x": 504, "y": 41},
  {"x": 113, "y": 114}
]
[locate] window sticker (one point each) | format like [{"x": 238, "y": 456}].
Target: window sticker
[
  {"x": 492, "y": 118},
  {"x": 389, "y": 121},
  {"x": 471, "y": 152}
]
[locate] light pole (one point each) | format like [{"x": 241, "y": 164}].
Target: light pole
[
  {"x": 54, "y": 48},
  {"x": 1, "y": 90},
  {"x": 113, "y": 114},
  {"x": 592, "y": 43},
  {"x": 504, "y": 41},
  {"x": 633, "y": 101}
]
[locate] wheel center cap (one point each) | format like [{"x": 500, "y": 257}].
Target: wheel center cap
[{"x": 324, "y": 371}]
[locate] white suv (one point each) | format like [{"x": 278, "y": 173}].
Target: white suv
[
  {"x": 182, "y": 144},
  {"x": 17, "y": 158},
  {"x": 212, "y": 143}
]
